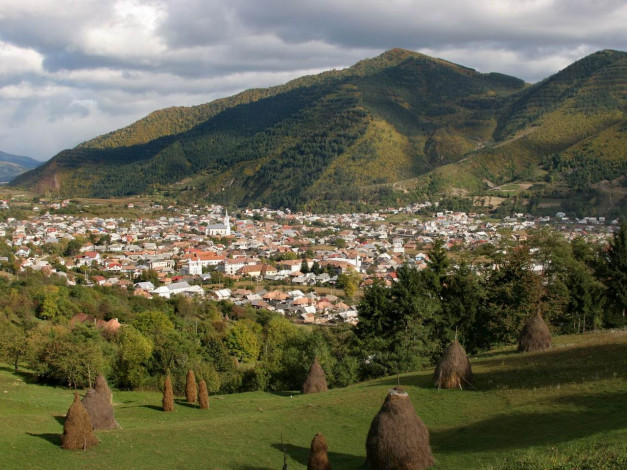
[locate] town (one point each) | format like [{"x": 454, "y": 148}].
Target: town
[{"x": 307, "y": 267}]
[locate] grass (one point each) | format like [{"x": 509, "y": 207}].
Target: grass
[{"x": 562, "y": 409}]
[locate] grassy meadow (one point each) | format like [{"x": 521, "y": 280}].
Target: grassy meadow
[{"x": 561, "y": 409}]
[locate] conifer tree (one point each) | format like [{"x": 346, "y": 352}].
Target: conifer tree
[{"x": 615, "y": 265}]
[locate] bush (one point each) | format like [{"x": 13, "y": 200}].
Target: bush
[
  {"x": 345, "y": 372},
  {"x": 208, "y": 373},
  {"x": 231, "y": 382},
  {"x": 255, "y": 379}
]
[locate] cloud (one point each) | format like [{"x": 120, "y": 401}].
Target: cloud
[{"x": 70, "y": 70}]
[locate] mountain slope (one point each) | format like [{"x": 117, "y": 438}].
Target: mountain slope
[
  {"x": 388, "y": 129},
  {"x": 577, "y": 115},
  {"x": 13, "y": 165}
]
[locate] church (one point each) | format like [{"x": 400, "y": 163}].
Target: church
[{"x": 220, "y": 230}]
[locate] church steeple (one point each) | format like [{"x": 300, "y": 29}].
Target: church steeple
[{"x": 227, "y": 224}]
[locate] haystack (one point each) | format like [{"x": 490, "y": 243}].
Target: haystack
[
  {"x": 100, "y": 410},
  {"x": 535, "y": 335},
  {"x": 315, "y": 381},
  {"x": 398, "y": 439},
  {"x": 168, "y": 395},
  {"x": 101, "y": 386},
  {"x": 203, "y": 395},
  {"x": 77, "y": 429},
  {"x": 318, "y": 458},
  {"x": 453, "y": 369},
  {"x": 191, "y": 390}
]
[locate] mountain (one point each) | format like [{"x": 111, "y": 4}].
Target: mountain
[
  {"x": 392, "y": 129},
  {"x": 13, "y": 165}
]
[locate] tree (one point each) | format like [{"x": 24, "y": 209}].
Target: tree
[
  {"x": 218, "y": 354},
  {"x": 73, "y": 247},
  {"x": 315, "y": 268},
  {"x": 349, "y": 281},
  {"x": 153, "y": 321},
  {"x": 150, "y": 275},
  {"x": 339, "y": 242},
  {"x": 614, "y": 270},
  {"x": 438, "y": 265},
  {"x": 462, "y": 300},
  {"x": 373, "y": 309},
  {"x": 73, "y": 357},
  {"x": 134, "y": 351},
  {"x": 242, "y": 340},
  {"x": 304, "y": 266},
  {"x": 172, "y": 352},
  {"x": 55, "y": 304},
  {"x": 586, "y": 300},
  {"x": 398, "y": 326},
  {"x": 513, "y": 293},
  {"x": 49, "y": 306},
  {"x": 15, "y": 341}
]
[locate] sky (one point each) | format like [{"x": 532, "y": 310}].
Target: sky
[{"x": 74, "y": 69}]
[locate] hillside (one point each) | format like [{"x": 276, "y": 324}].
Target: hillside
[
  {"x": 13, "y": 165},
  {"x": 561, "y": 409},
  {"x": 394, "y": 128},
  {"x": 566, "y": 134}
]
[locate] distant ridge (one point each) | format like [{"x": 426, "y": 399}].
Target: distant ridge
[
  {"x": 14, "y": 165},
  {"x": 389, "y": 130}
]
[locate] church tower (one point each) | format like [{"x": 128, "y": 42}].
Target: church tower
[{"x": 227, "y": 224}]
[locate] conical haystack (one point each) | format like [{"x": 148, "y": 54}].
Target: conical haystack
[
  {"x": 101, "y": 386},
  {"x": 453, "y": 369},
  {"x": 168, "y": 395},
  {"x": 203, "y": 395},
  {"x": 100, "y": 410},
  {"x": 191, "y": 390},
  {"x": 77, "y": 429},
  {"x": 535, "y": 335},
  {"x": 398, "y": 439},
  {"x": 318, "y": 458},
  {"x": 315, "y": 381}
]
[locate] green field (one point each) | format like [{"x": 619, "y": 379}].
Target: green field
[{"x": 563, "y": 409}]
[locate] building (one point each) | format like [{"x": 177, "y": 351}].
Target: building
[{"x": 220, "y": 230}]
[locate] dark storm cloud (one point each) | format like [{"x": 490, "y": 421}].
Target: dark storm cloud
[{"x": 517, "y": 25}]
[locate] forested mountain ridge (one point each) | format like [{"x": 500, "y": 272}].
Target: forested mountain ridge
[{"x": 390, "y": 129}]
